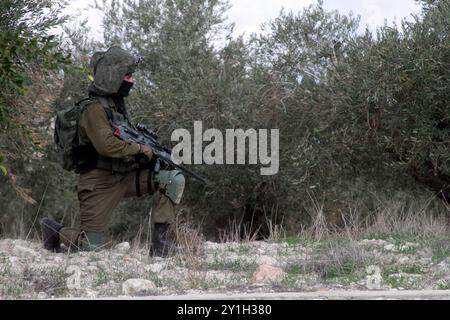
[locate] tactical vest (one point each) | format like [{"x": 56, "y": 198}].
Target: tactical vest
[{"x": 94, "y": 160}]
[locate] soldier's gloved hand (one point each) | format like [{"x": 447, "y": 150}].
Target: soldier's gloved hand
[{"x": 146, "y": 150}]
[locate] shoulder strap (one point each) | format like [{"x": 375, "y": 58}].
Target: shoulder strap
[
  {"x": 107, "y": 103},
  {"x": 82, "y": 100},
  {"x": 107, "y": 106}
]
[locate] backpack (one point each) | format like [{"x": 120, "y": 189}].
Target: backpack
[{"x": 66, "y": 134}]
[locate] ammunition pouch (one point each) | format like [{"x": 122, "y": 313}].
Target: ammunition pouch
[{"x": 86, "y": 159}]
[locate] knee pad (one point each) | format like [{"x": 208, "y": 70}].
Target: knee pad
[{"x": 171, "y": 183}]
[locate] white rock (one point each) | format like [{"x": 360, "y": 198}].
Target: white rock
[
  {"x": 20, "y": 242},
  {"x": 123, "y": 247},
  {"x": 374, "y": 242},
  {"x": 155, "y": 267},
  {"x": 230, "y": 257},
  {"x": 425, "y": 261},
  {"x": 23, "y": 252},
  {"x": 266, "y": 274},
  {"x": 91, "y": 268},
  {"x": 6, "y": 245},
  {"x": 411, "y": 245},
  {"x": 403, "y": 260},
  {"x": 102, "y": 265},
  {"x": 16, "y": 267},
  {"x": 73, "y": 281},
  {"x": 134, "y": 287},
  {"x": 267, "y": 260},
  {"x": 374, "y": 278},
  {"x": 425, "y": 253},
  {"x": 212, "y": 245},
  {"x": 42, "y": 295},
  {"x": 58, "y": 260},
  {"x": 444, "y": 266},
  {"x": 216, "y": 276},
  {"x": 90, "y": 294},
  {"x": 389, "y": 247},
  {"x": 261, "y": 251}
]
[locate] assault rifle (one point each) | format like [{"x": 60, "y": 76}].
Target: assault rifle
[{"x": 141, "y": 135}]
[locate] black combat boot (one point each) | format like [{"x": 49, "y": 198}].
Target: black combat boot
[
  {"x": 50, "y": 234},
  {"x": 162, "y": 246}
]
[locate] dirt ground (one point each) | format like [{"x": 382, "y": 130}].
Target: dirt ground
[{"x": 392, "y": 268}]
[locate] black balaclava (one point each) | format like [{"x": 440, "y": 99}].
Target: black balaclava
[
  {"x": 125, "y": 88},
  {"x": 118, "y": 97}
]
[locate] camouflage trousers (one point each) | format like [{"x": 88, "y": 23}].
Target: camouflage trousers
[{"x": 100, "y": 191}]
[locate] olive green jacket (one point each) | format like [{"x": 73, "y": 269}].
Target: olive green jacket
[{"x": 115, "y": 154}]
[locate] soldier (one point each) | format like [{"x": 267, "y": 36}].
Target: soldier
[{"x": 109, "y": 170}]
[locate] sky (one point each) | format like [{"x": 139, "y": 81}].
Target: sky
[{"x": 248, "y": 15}]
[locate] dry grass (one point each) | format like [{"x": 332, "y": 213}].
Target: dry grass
[
  {"x": 319, "y": 227},
  {"x": 139, "y": 241},
  {"x": 188, "y": 237},
  {"x": 338, "y": 260},
  {"x": 337, "y": 251},
  {"x": 276, "y": 232},
  {"x": 191, "y": 249},
  {"x": 393, "y": 217},
  {"x": 237, "y": 232},
  {"x": 399, "y": 218}
]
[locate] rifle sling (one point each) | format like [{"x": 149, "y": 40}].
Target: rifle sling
[
  {"x": 107, "y": 106},
  {"x": 138, "y": 183},
  {"x": 151, "y": 185}
]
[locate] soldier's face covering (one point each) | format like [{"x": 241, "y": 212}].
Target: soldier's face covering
[{"x": 125, "y": 88}]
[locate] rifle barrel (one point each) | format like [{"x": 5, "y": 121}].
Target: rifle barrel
[{"x": 183, "y": 168}]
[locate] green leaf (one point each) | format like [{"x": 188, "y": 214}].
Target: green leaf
[{"x": 3, "y": 170}]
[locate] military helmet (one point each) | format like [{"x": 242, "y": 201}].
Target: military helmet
[{"x": 109, "y": 69}]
